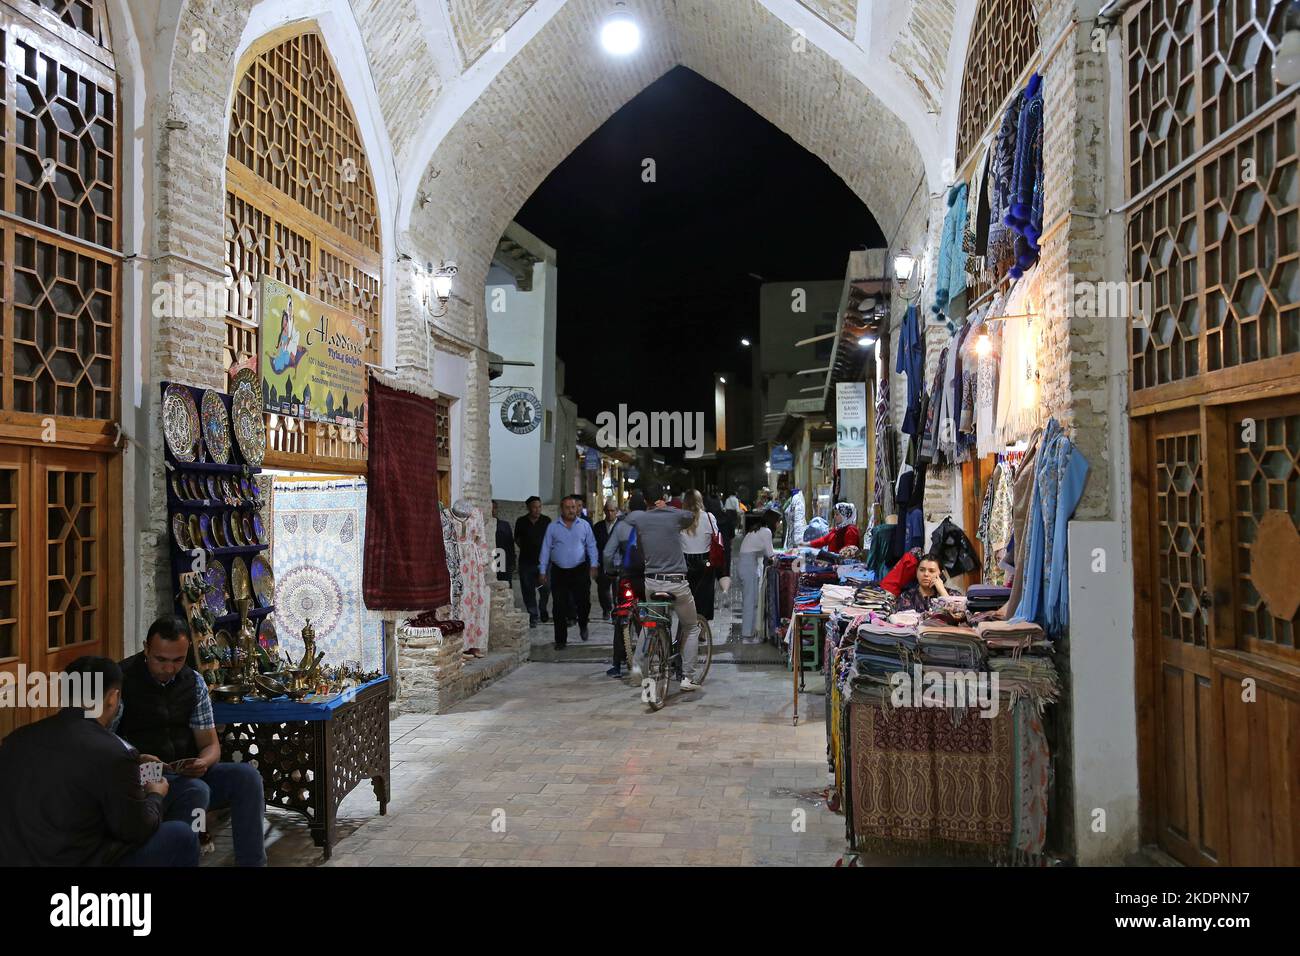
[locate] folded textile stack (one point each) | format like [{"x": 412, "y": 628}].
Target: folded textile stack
[
  {"x": 836, "y": 596},
  {"x": 882, "y": 649},
  {"x": 871, "y": 597},
  {"x": 1012, "y": 637},
  {"x": 855, "y": 574},
  {"x": 807, "y": 600},
  {"x": 953, "y": 604},
  {"x": 986, "y": 597},
  {"x": 906, "y": 618},
  {"x": 943, "y": 645},
  {"x": 1030, "y": 676}
]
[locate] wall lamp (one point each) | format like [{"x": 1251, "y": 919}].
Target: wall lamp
[{"x": 438, "y": 282}]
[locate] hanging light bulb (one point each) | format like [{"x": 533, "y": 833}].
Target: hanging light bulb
[{"x": 983, "y": 344}]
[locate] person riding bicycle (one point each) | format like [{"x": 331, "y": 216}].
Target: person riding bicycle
[
  {"x": 658, "y": 532},
  {"x": 625, "y": 567}
]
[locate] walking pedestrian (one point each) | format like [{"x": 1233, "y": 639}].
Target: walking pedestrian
[
  {"x": 530, "y": 529},
  {"x": 604, "y": 581},
  {"x": 505, "y": 544},
  {"x": 696, "y": 538},
  {"x": 568, "y": 560},
  {"x": 754, "y": 547}
]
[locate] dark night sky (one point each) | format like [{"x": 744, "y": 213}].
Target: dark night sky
[{"x": 654, "y": 284}]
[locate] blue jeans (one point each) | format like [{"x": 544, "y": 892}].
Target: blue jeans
[
  {"x": 236, "y": 785},
  {"x": 174, "y": 844}
]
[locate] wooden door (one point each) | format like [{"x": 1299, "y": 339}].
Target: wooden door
[
  {"x": 1220, "y": 688},
  {"x": 57, "y": 567},
  {"x": 1212, "y": 165}
]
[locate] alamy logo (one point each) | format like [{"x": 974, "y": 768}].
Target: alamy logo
[
  {"x": 973, "y": 689},
  {"x": 40, "y": 689},
  {"x": 75, "y": 909},
  {"x": 626, "y": 429}
]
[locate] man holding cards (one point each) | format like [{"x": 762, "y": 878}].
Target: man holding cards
[
  {"x": 168, "y": 713},
  {"x": 73, "y": 794}
]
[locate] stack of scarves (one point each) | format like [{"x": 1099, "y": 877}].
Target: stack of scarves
[
  {"x": 944, "y": 646},
  {"x": 882, "y": 649},
  {"x": 986, "y": 597}
]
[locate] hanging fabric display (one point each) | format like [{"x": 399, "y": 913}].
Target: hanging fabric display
[
  {"x": 405, "y": 558},
  {"x": 1025, "y": 211},
  {"x": 473, "y": 553},
  {"x": 451, "y": 546},
  {"x": 1001, "y": 254},
  {"x": 317, "y": 555},
  {"x": 950, "y": 282}
]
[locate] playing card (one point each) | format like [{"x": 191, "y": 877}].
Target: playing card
[{"x": 151, "y": 772}]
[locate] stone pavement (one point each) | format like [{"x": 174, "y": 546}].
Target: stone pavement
[{"x": 577, "y": 771}]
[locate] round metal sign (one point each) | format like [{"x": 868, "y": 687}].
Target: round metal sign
[{"x": 521, "y": 412}]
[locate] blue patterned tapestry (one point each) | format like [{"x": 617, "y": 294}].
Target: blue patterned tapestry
[{"x": 316, "y": 553}]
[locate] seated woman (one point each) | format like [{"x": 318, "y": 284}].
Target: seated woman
[
  {"x": 920, "y": 594},
  {"x": 845, "y": 533}
]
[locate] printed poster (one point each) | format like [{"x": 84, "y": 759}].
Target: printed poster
[
  {"x": 313, "y": 357},
  {"x": 851, "y": 424}
]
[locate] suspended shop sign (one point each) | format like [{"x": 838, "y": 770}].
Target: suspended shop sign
[
  {"x": 591, "y": 462},
  {"x": 313, "y": 357},
  {"x": 521, "y": 412},
  {"x": 633, "y": 473},
  {"x": 851, "y": 423},
  {"x": 782, "y": 459}
]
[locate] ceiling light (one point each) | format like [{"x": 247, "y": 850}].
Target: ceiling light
[
  {"x": 722, "y": 379},
  {"x": 867, "y": 340},
  {"x": 620, "y": 35},
  {"x": 745, "y": 342}
]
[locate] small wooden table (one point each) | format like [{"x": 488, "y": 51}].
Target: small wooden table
[{"x": 312, "y": 754}]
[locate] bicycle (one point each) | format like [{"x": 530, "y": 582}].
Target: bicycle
[{"x": 654, "y": 618}]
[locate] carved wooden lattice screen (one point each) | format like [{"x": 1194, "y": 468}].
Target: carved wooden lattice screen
[
  {"x": 1213, "y": 229},
  {"x": 300, "y": 207},
  {"x": 1003, "y": 41}
]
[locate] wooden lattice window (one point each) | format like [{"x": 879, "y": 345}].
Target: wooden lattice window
[
  {"x": 1180, "y": 523},
  {"x": 301, "y": 208},
  {"x": 1213, "y": 224},
  {"x": 1003, "y": 41},
  {"x": 60, "y": 277}
]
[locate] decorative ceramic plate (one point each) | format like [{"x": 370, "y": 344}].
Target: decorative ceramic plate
[
  {"x": 216, "y": 427},
  {"x": 205, "y": 533},
  {"x": 236, "y": 534},
  {"x": 230, "y": 491},
  {"x": 257, "y": 492},
  {"x": 267, "y": 637},
  {"x": 216, "y": 598},
  {"x": 263, "y": 581},
  {"x": 213, "y": 488},
  {"x": 240, "y": 586},
  {"x": 218, "y": 529},
  {"x": 181, "y": 533},
  {"x": 223, "y": 641},
  {"x": 250, "y": 532},
  {"x": 196, "y": 489},
  {"x": 178, "y": 489},
  {"x": 196, "y": 532},
  {"x": 246, "y": 490},
  {"x": 259, "y": 532},
  {"x": 180, "y": 423},
  {"x": 250, "y": 426}
]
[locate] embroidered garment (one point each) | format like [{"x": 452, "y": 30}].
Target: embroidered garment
[
  {"x": 1001, "y": 253},
  {"x": 1022, "y": 493},
  {"x": 452, "y": 548},
  {"x": 950, "y": 282},
  {"x": 1025, "y": 214},
  {"x": 475, "y": 559},
  {"x": 986, "y": 393}
]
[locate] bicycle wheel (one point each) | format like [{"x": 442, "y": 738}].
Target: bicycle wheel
[
  {"x": 703, "y": 652},
  {"x": 658, "y": 666},
  {"x": 631, "y": 634}
]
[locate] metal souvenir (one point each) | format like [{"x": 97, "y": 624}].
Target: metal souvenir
[
  {"x": 178, "y": 489},
  {"x": 263, "y": 581},
  {"x": 249, "y": 423},
  {"x": 216, "y": 427},
  {"x": 250, "y": 525},
  {"x": 196, "y": 532},
  {"x": 195, "y": 487},
  {"x": 216, "y": 577},
  {"x": 240, "y": 586},
  {"x": 181, "y": 427},
  {"x": 267, "y": 637},
  {"x": 259, "y": 532},
  {"x": 222, "y": 642},
  {"x": 181, "y": 533},
  {"x": 236, "y": 533},
  {"x": 214, "y": 488}
]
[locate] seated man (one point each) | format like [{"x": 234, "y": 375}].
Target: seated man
[
  {"x": 70, "y": 792},
  {"x": 168, "y": 712}
]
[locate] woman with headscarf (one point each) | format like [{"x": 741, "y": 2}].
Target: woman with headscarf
[
  {"x": 696, "y": 539},
  {"x": 754, "y": 547},
  {"x": 845, "y": 533}
]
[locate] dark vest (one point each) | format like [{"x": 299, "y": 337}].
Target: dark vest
[{"x": 156, "y": 719}]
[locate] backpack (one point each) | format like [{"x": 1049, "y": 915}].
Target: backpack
[{"x": 633, "y": 559}]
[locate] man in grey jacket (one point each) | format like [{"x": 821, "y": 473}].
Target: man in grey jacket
[{"x": 658, "y": 532}]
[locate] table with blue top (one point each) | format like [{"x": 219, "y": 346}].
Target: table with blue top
[{"x": 312, "y": 753}]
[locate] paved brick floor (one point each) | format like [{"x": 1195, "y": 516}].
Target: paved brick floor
[{"x": 576, "y": 771}]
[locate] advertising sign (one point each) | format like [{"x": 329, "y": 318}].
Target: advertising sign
[{"x": 851, "y": 423}]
